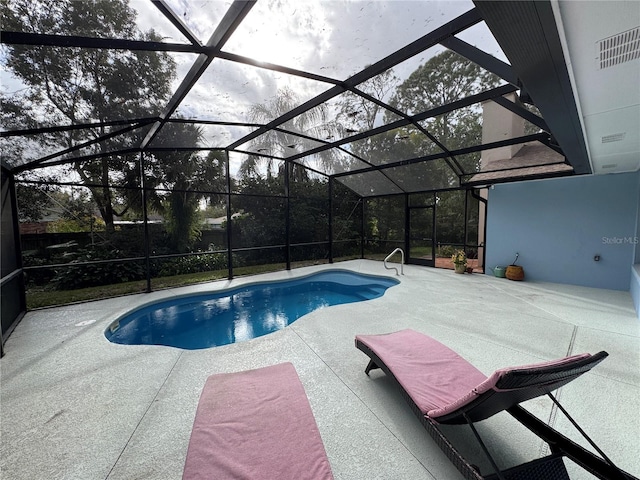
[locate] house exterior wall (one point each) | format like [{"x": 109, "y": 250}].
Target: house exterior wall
[
  {"x": 635, "y": 271},
  {"x": 637, "y": 247},
  {"x": 559, "y": 225},
  {"x": 634, "y": 289},
  {"x": 498, "y": 124}
]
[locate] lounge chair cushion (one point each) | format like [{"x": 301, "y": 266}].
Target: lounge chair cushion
[
  {"x": 432, "y": 374},
  {"x": 438, "y": 380},
  {"x": 256, "y": 424}
]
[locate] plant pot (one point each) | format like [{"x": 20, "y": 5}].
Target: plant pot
[
  {"x": 459, "y": 268},
  {"x": 515, "y": 272},
  {"x": 499, "y": 272}
]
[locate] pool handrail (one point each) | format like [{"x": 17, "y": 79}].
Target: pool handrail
[{"x": 401, "y": 261}]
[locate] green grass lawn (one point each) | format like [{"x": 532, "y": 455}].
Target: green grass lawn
[{"x": 42, "y": 297}]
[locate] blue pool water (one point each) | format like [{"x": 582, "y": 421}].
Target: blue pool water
[{"x": 212, "y": 319}]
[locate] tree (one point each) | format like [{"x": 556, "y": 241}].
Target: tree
[
  {"x": 262, "y": 218},
  {"x": 33, "y": 200},
  {"x": 314, "y": 123},
  {"x": 358, "y": 114},
  {"x": 179, "y": 180},
  {"x": 385, "y": 223},
  {"x": 361, "y": 113},
  {"x": 75, "y": 86},
  {"x": 443, "y": 79},
  {"x": 347, "y": 221},
  {"x": 79, "y": 210}
]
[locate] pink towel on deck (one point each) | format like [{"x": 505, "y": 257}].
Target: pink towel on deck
[{"x": 256, "y": 424}]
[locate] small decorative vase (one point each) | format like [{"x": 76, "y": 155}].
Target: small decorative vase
[
  {"x": 460, "y": 267},
  {"x": 499, "y": 272},
  {"x": 515, "y": 272}
]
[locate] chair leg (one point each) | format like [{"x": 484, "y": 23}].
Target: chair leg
[{"x": 371, "y": 366}]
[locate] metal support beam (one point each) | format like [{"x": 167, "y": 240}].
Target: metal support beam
[
  {"x": 460, "y": 151},
  {"x": 84, "y": 158},
  {"x": 457, "y": 25},
  {"x": 232, "y": 19},
  {"x": 331, "y": 182},
  {"x": 527, "y": 32},
  {"x": 227, "y": 172},
  {"x": 287, "y": 213},
  {"x": 523, "y": 112},
  {"x": 86, "y": 144},
  {"x": 465, "y": 102},
  {"x": 47, "y": 40},
  {"x": 483, "y": 59},
  {"x": 79, "y": 126},
  {"x": 277, "y": 68},
  {"x": 176, "y": 21},
  {"x": 145, "y": 219}
]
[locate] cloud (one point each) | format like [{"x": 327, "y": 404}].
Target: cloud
[{"x": 334, "y": 38}]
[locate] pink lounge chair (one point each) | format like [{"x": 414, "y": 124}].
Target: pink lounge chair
[
  {"x": 258, "y": 425},
  {"x": 443, "y": 388}
]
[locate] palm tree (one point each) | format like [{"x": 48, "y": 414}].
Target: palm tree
[{"x": 274, "y": 144}]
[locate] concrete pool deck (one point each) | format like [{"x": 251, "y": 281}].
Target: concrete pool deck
[{"x": 75, "y": 406}]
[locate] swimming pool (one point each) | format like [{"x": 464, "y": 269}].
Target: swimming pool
[{"x": 219, "y": 318}]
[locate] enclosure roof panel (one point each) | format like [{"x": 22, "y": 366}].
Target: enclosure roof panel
[
  {"x": 337, "y": 38},
  {"x": 385, "y": 96}
]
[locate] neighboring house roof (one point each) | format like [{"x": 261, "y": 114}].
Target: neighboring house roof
[
  {"x": 218, "y": 221},
  {"x": 532, "y": 160}
]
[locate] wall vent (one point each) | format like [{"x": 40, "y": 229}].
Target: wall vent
[
  {"x": 621, "y": 48},
  {"x": 616, "y": 137}
]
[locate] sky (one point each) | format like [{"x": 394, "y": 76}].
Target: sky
[{"x": 333, "y": 38}]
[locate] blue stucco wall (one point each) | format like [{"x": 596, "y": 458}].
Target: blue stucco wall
[
  {"x": 634, "y": 287},
  {"x": 637, "y": 247},
  {"x": 559, "y": 225}
]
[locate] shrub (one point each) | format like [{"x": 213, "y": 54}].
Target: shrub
[
  {"x": 192, "y": 264},
  {"x": 79, "y": 274},
  {"x": 38, "y": 276},
  {"x": 446, "y": 251}
]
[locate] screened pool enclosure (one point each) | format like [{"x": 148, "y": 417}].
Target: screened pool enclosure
[{"x": 147, "y": 144}]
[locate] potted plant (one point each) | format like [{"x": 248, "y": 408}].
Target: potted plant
[
  {"x": 459, "y": 260},
  {"x": 515, "y": 272}
]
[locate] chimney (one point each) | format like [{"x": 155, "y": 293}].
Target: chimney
[{"x": 498, "y": 124}]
